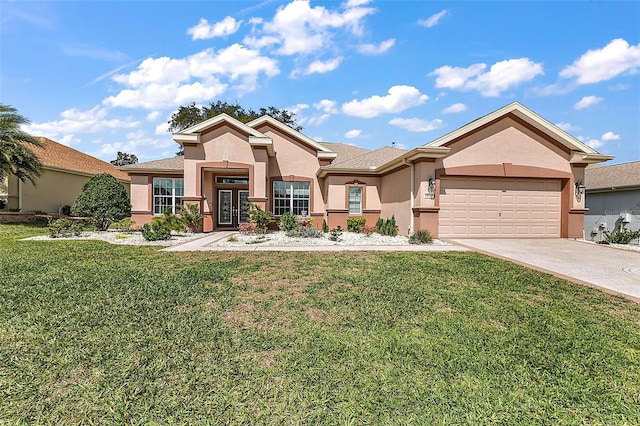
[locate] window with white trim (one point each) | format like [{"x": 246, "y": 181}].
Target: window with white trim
[
  {"x": 290, "y": 197},
  {"x": 355, "y": 200},
  {"x": 167, "y": 193}
]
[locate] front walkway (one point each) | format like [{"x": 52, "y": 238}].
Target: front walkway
[
  {"x": 612, "y": 270},
  {"x": 205, "y": 244}
]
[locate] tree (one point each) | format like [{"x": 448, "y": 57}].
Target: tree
[
  {"x": 103, "y": 200},
  {"x": 123, "y": 159},
  {"x": 15, "y": 157},
  {"x": 190, "y": 115}
]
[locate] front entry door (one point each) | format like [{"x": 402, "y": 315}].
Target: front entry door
[{"x": 232, "y": 207}]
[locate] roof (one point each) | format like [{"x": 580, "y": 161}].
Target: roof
[
  {"x": 174, "y": 164},
  {"x": 586, "y": 153},
  {"x": 617, "y": 176},
  {"x": 54, "y": 155},
  {"x": 344, "y": 151},
  {"x": 370, "y": 160}
]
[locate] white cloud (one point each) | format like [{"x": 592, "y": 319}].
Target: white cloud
[
  {"x": 352, "y": 134},
  {"x": 162, "y": 129},
  {"x": 568, "y": 127},
  {"x": 135, "y": 143},
  {"x": 203, "y": 30},
  {"x": 355, "y": 3},
  {"x": 317, "y": 120},
  {"x": 454, "y": 108},
  {"x": 75, "y": 121},
  {"x": 322, "y": 67},
  {"x": 416, "y": 124},
  {"x": 167, "y": 82},
  {"x": 327, "y": 105},
  {"x": 616, "y": 58},
  {"x": 610, "y": 136},
  {"x": 586, "y": 102},
  {"x": 399, "y": 98},
  {"x": 298, "y": 28},
  {"x": 376, "y": 49},
  {"x": 502, "y": 76},
  {"x": 153, "y": 116},
  {"x": 297, "y": 108},
  {"x": 432, "y": 20}
]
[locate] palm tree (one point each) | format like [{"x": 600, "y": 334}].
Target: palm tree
[{"x": 15, "y": 157}]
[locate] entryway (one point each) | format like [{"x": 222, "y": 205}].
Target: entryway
[{"x": 233, "y": 205}]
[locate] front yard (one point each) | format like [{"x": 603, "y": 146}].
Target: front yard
[{"x": 98, "y": 333}]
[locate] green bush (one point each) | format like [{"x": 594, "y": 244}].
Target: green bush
[
  {"x": 387, "y": 226},
  {"x": 304, "y": 232},
  {"x": 623, "y": 236},
  {"x": 157, "y": 230},
  {"x": 260, "y": 217},
  {"x": 124, "y": 225},
  {"x": 287, "y": 222},
  {"x": 325, "y": 227},
  {"x": 171, "y": 221},
  {"x": 64, "y": 228},
  {"x": 421, "y": 237},
  {"x": 335, "y": 233},
  {"x": 355, "y": 224},
  {"x": 103, "y": 200},
  {"x": 191, "y": 217}
]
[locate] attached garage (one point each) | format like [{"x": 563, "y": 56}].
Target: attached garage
[{"x": 499, "y": 208}]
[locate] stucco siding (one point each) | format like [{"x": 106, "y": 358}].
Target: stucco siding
[
  {"x": 140, "y": 193},
  {"x": 395, "y": 198}
]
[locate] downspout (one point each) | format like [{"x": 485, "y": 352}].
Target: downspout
[
  {"x": 411, "y": 189},
  {"x": 19, "y": 195}
]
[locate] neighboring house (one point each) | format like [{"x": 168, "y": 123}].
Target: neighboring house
[
  {"x": 64, "y": 173},
  {"x": 510, "y": 173},
  {"x": 612, "y": 197}
]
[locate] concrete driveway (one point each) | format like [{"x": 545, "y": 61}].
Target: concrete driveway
[{"x": 614, "y": 270}]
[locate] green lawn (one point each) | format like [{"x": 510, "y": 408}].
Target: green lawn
[{"x": 96, "y": 333}]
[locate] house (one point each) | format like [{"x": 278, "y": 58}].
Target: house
[
  {"x": 510, "y": 173},
  {"x": 65, "y": 171},
  {"x": 612, "y": 197}
]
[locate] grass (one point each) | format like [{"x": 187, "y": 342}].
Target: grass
[{"x": 99, "y": 333}]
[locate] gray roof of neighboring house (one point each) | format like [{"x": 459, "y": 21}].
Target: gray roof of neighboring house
[
  {"x": 615, "y": 176},
  {"x": 345, "y": 152},
  {"x": 370, "y": 159},
  {"x": 175, "y": 163}
]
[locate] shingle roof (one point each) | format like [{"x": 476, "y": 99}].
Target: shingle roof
[
  {"x": 615, "y": 176},
  {"x": 371, "y": 159},
  {"x": 345, "y": 152},
  {"x": 168, "y": 164},
  {"x": 56, "y": 155}
]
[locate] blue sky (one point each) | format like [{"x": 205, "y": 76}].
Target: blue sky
[{"x": 104, "y": 77}]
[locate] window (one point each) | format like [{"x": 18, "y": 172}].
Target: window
[
  {"x": 355, "y": 200},
  {"x": 232, "y": 180},
  {"x": 290, "y": 197},
  {"x": 167, "y": 193}
]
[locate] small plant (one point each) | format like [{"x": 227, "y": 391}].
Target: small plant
[
  {"x": 368, "y": 230},
  {"x": 191, "y": 217},
  {"x": 623, "y": 236},
  {"x": 258, "y": 240},
  {"x": 66, "y": 210},
  {"x": 232, "y": 239},
  {"x": 387, "y": 226},
  {"x": 124, "y": 225},
  {"x": 304, "y": 231},
  {"x": 287, "y": 222},
  {"x": 260, "y": 217},
  {"x": 64, "y": 228},
  {"x": 157, "y": 230},
  {"x": 335, "y": 233},
  {"x": 421, "y": 237},
  {"x": 247, "y": 228},
  {"x": 171, "y": 221},
  {"x": 355, "y": 224},
  {"x": 325, "y": 227}
]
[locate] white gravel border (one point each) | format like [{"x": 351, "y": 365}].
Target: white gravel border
[{"x": 124, "y": 238}]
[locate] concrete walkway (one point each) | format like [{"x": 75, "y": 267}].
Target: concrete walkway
[
  {"x": 205, "y": 244},
  {"x": 612, "y": 270}
]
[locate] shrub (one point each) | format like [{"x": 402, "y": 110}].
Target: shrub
[
  {"x": 387, "y": 226},
  {"x": 623, "y": 236},
  {"x": 232, "y": 239},
  {"x": 64, "y": 228},
  {"x": 103, "y": 200},
  {"x": 421, "y": 237},
  {"x": 355, "y": 224},
  {"x": 247, "y": 228},
  {"x": 287, "y": 222},
  {"x": 335, "y": 233},
  {"x": 325, "y": 227},
  {"x": 157, "y": 230},
  {"x": 124, "y": 225},
  {"x": 304, "y": 231},
  {"x": 368, "y": 230},
  {"x": 191, "y": 217},
  {"x": 66, "y": 210},
  {"x": 171, "y": 221},
  {"x": 260, "y": 217}
]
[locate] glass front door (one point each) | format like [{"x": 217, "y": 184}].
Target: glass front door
[{"x": 233, "y": 205}]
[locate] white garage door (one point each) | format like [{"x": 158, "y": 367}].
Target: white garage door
[{"x": 499, "y": 208}]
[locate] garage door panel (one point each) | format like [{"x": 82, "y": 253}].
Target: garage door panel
[{"x": 494, "y": 207}]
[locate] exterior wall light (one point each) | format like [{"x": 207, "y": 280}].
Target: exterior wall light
[
  {"x": 431, "y": 189},
  {"x": 579, "y": 189}
]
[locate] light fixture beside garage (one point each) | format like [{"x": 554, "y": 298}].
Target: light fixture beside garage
[
  {"x": 431, "y": 189},
  {"x": 579, "y": 189}
]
